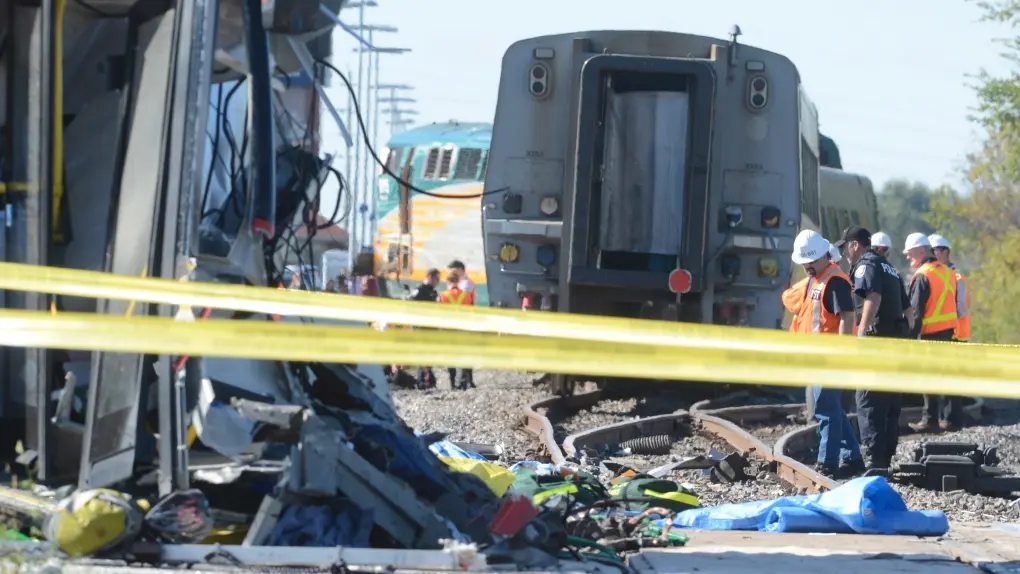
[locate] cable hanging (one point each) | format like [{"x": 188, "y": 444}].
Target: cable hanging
[{"x": 375, "y": 156}]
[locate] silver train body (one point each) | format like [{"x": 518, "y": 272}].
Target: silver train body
[{"x": 620, "y": 156}]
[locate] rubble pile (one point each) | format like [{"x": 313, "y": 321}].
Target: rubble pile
[{"x": 336, "y": 466}]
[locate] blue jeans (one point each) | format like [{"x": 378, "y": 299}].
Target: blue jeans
[{"x": 836, "y": 442}]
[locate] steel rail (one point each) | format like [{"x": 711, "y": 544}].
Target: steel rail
[{"x": 788, "y": 469}]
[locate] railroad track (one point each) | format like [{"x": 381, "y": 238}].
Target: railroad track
[{"x": 773, "y": 433}]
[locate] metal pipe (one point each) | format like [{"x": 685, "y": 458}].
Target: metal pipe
[
  {"x": 38, "y": 366},
  {"x": 262, "y": 184}
]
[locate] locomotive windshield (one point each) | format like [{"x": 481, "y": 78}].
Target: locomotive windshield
[{"x": 643, "y": 169}]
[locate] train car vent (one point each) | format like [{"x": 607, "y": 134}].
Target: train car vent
[
  {"x": 485, "y": 165},
  {"x": 467, "y": 163},
  {"x": 445, "y": 164},
  {"x": 431, "y": 164}
]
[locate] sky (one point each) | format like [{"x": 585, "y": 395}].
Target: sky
[{"x": 889, "y": 77}]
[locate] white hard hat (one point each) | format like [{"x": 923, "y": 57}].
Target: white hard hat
[
  {"x": 916, "y": 240},
  {"x": 937, "y": 240},
  {"x": 809, "y": 246},
  {"x": 881, "y": 239},
  {"x": 835, "y": 254}
]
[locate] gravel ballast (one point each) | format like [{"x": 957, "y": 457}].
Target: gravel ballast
[{"x": 490, "y": 414}]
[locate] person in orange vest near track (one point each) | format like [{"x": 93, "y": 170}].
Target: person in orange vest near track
[
  {"x": 456, "y": 295},
  {"x": 943, "y": 250},
  {"x": 933, "y": 301},
  {"x": 827, "y": 308}
]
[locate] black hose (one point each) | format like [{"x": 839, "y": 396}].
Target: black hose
[
  {"x": 649, "y": 445},
  {"x": 263, "y": 165}
]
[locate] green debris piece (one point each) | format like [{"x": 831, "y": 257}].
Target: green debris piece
[
  {"x": 9, "y": 535},
  {"x": 674, "y": 538}
]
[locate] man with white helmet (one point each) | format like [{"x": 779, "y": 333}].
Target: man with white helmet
[
  {"x": 827, "y": 307},
  {"x": 933, "y": 300},
  {"x": 881, "y": 243},
  {"x": 880, "y": 303},
  {"x": 940, "y": 245}
]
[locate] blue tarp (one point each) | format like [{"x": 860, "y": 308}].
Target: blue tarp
[{"x": 866, "y": 505}]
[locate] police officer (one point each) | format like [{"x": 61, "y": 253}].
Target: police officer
[
  {"x": 881, "y": 301},
  {"x": 933, "y": 301},
  {"x": 881, "y": 243}
]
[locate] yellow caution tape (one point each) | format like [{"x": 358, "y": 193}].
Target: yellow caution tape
[
  {"x": 936, "y": 369},
  {"x": 70, "y": 282}
]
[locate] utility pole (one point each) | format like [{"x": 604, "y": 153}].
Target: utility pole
[
  {"x": 397, "y": 117},
  {"x": 393, "y": 100},
  {"x": 357, "y": 193},
  {"x": 370, "y": 114}
]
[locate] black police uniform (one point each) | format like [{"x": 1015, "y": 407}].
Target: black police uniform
[
  {"x": 425, "y": 292},
  {"x": 878, "y": 413}
]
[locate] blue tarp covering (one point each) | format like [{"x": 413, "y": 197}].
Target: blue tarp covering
[{"x": 867, "y": 505}]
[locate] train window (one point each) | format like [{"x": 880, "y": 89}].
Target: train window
[
  {"x": 844, "y": 219},
  {"x": 809, "y": 182},
  {"x": 393, "y": 159},
  {"x": 446, "y": 163},
  {"x": 467, "y": 163},
  {"x": 832, "y": 223},
  {"x": 485, "y": 165},
  {"x": 431, "y": 164}
]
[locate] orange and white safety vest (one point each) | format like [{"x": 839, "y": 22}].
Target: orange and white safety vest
[
  {"x": 813, "y": 316},
  {"x": 962, "y": 332},
  {"x": 456, "y": 296},
  {"x": 940, "y": 310},
  {"x": 793, "y": 301}
]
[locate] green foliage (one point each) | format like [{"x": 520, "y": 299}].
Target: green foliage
[
  {"x": 903, "y": 208},
  {"x": 984, "y": 228},
  {"x": 984, "y": 225}
]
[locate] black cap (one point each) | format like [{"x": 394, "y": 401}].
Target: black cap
[{"x": 854, "y": 233}]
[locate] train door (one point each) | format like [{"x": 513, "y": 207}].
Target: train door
[{"x": 404, "y": 263}]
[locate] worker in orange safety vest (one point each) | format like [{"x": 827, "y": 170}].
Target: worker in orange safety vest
[
  {"x": 827, "y": 307},
  {"x": 793, "y": 297},
  {"x": 932, "y": 294},
  {"x": 943, "y": 250},
  {"x": 455, "y": 294}
]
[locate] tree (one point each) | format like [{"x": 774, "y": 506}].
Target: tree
[
  {"x": 984, "y": 225},
  {"x": 903, "y": 209}
]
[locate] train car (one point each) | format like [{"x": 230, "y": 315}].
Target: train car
[
  {"x": 642, "y": 163},
  {"x": 417, "y": 231}
]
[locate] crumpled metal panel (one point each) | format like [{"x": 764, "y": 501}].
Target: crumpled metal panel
[{"x": 643, "y": 172}]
